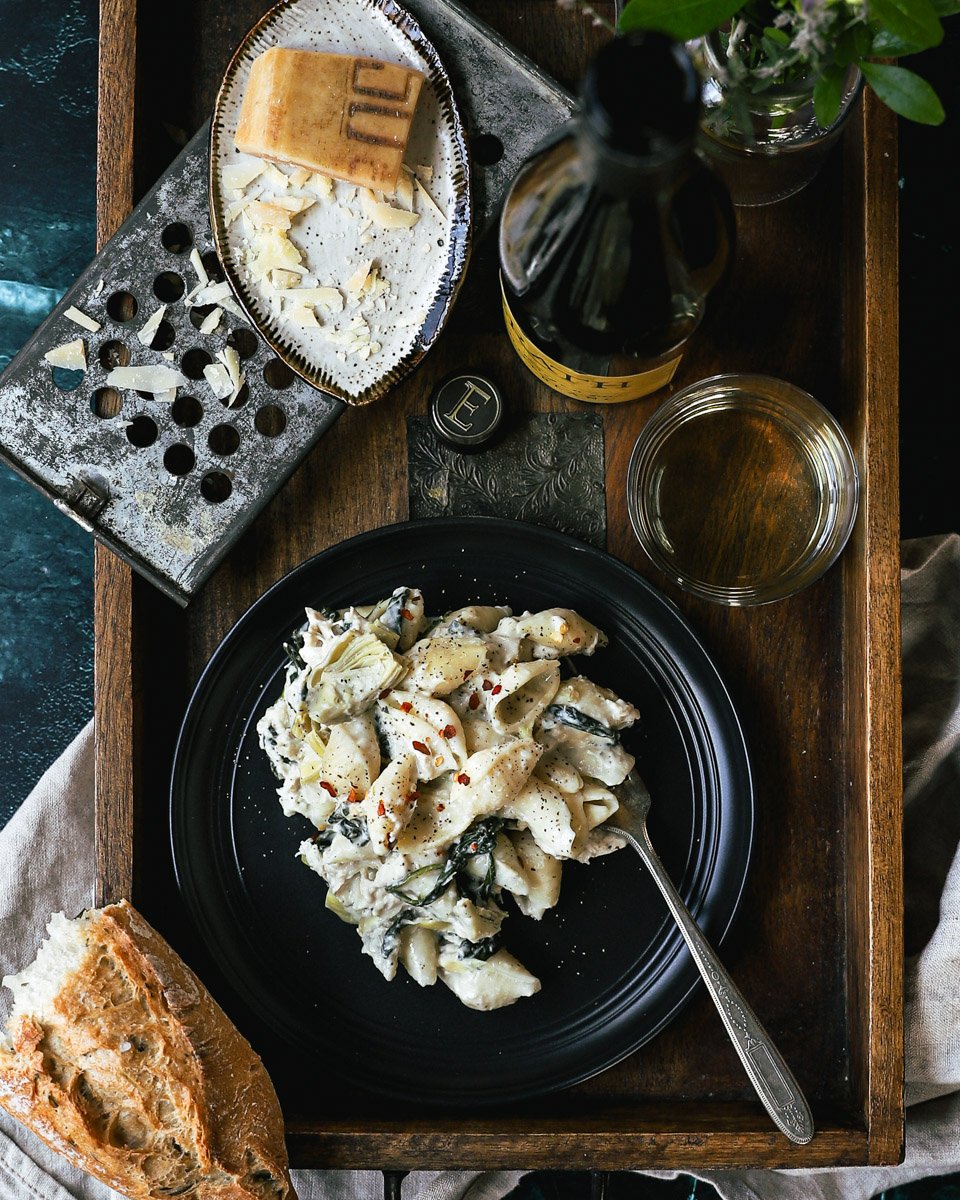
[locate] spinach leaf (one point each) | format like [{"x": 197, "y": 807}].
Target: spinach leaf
[
  {"x": 566, "y": 714},
  {"x": 292, "y": 650},
  {"x": 354, "y": 829},
  {"x": 481, "y": 950},
  {"x": 480, "y": 838}
]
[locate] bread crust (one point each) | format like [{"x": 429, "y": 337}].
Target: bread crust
[{"x": 142, "y": 1080}]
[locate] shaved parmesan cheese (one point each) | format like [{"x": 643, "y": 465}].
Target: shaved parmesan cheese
[
  {"x": 424, "y": 173},
  {"x": 276, "y": 178},
  {"x": 293, "y": 204},
  {"x": 99, "y": 288},
  {"x": 218, "y": 380},
  {"x": 213, "y": 293},
  {"x": 328, "y": 297},
  {"x": 238, "y": 175},
  {"x": 299, "y": 177},
  {"x": 147, "y": 333},
  {"x": 383, "y": 215},
  {"x": 146, "y": 379},
  {"x": 234, "y": 210},
  {"x": 198, "y": 266},
  {"x": 211, "y": 321},
  {"x": 284, "y": 279},
  {"x": 168, "y": 355},
  {"x": 71, "y": 355},
  {"x": 231, "y": 360},
  {"x": 304, "y": 316},
  {"x": 262, "y": 214},
  {"x": 274, "y": 249},
  {"x": 81, "y": 319},
  {"x": 322, "y": 185},
  {"x": 167, "y": 397},
  {"x": 356, "y": 281},
  {"x": 431, "y": 203},
  {"x": 404, "y": 192}
]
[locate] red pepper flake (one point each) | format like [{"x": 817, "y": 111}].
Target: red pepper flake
[
  {"x": 406, "y": 706},
  {"x": 406, "y": 614},
  {"x": 328, "y": 787},
  {"x": 381, "y": 811},
  {"x": 577, "y": 641},
  {"x": 385, "y": 693},
  {"x": 440, "y": 808},
  {"x": 421, "y": 747},
  {"x": 468, "y": 673},
  {"x": 353, "y": 796},
  {"x": 448, "y": 731},
  {"x": 474, "y": 701},
  {"x": 474, "y": 847},
  {"x": 487, "y": 685},
  {"x": 464, "y": 779},
  {"x": 412, "y": 797},
  {"x": 497, "y": 690}
]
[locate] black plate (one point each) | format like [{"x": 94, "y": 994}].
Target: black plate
[{"x": 613, "y": 967}]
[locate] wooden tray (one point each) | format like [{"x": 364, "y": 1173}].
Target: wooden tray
[{"x": 818, "y": 947}]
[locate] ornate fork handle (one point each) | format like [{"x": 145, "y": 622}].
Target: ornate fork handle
[{"x": 765, "y": 1067}]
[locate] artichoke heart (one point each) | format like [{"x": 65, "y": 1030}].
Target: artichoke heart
[{"x": 350, "y": 684}]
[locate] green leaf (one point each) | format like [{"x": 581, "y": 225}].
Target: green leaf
[
  {"x": 680, "y": 19},
  {"x": 887, "y": 45},
  {"x": 853, "y": 44},
  {"x": 904, "y": 92},
  {"x": 827, "y": 94},
  {"x": 915, "y": 21},
  {"x": 946, "y": 8}
]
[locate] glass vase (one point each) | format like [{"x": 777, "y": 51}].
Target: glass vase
[{"x": 766, "y": 146}]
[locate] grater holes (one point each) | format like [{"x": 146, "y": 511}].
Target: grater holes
[
  {"x": 65, "y": 379},
  {"x": 177, "y": 237},
  {"x": 242, "y": 397},
  {"x": 113, "y": 354},
  {"x": 186, "y": 411},
  {"x": 486, "y": 149},
  {"x": 179, "y": 459},
  {"x": 199, "y": 313},
  {"x": 212, "y": 266},
  {"x": 194, "y": 361},
  {"x": 277, "y": 374},
  {"x": 215, "y": 487},
  {"x": 270, "y": 420},
  {"x": 223, "y": 439},
  {"x": 105, "y": 402},
  {"x": 142, "y": 431},
  {"x": 122, "y": 306},
  {"x": 164, "y": 338},
  {"x": 244, "y": 341},
  {"x": 168, "y": 287}
]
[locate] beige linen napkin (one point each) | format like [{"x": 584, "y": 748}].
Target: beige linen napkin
[{"x": 47, "y": 865}]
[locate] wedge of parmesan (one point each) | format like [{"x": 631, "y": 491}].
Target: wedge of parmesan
[
  {"x": 71, "y": 355},
  {"x": 384, "y": 215},
  {"x": 81, "y": 319},
  {"x": 152, "y": 324},
  {"x": 331, "y": 113},
  {"x": 153, "y": 379}
]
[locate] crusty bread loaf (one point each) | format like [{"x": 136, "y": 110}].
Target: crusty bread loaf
[{"x": 119, "y": 1058}]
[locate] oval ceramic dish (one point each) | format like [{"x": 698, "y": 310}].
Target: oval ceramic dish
[
  {"x": 424, "y": 266},
  {"x": 611, "y": 961}
]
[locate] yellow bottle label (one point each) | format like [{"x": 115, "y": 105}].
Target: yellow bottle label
[{"x": 596, "y": 389}]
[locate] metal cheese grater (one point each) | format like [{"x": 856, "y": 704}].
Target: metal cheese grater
[{"x": 171, "y": 486}]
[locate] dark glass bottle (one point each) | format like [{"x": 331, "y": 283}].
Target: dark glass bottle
[{"x": 612, "y": 236}]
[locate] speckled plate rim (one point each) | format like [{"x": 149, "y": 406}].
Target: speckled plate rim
[{"x": 461, "y": 222}]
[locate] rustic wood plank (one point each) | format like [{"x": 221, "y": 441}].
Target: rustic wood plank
[
  {"x": 112, "y": 579},
  {"x": 816, "y": 677}
]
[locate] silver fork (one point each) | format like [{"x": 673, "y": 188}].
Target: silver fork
[{"x": 767, "y": 1071}]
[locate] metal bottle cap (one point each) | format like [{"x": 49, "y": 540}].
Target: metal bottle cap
[{"x": 466, "y": 410}]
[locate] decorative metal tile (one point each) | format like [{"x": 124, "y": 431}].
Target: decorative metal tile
[{"x": 548, "y": 471}]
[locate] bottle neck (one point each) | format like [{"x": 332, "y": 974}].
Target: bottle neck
[{"x": 623, "y": 174}]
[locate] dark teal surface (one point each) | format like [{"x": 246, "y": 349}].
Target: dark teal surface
[{"x": 48, "y": 67}]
